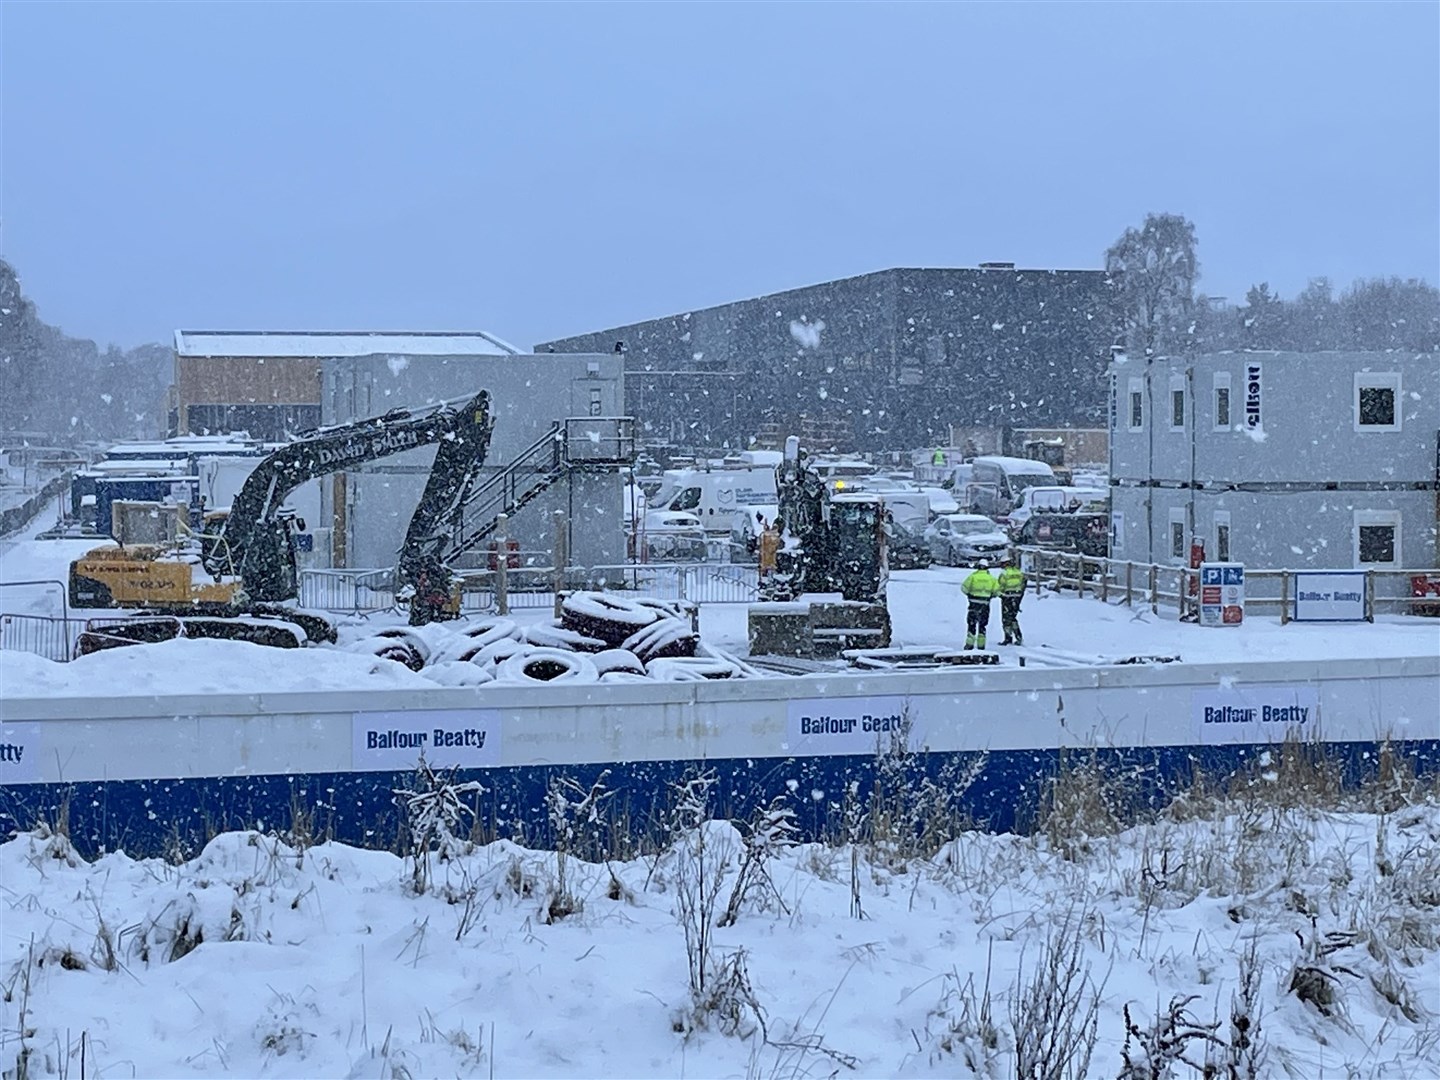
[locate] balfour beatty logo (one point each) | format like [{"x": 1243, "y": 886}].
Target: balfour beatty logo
[
  {"x": 385, "y": 443},
  {"x": 417, "y": 740},
  {"x": 1266, "y": 714},
  {"x": 844, "y": 725},
  {"x": 11, "y": 753},
  {"x": 1352, "y": 596}
]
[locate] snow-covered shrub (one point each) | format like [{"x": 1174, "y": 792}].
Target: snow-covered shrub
[
  {"x": 574, "y": 817},
  {"x": 770, "y": 832},
  {"x": 434, "y": 813},
  {"x": 1153, "y": 1052},
  {"x": 962, "y": 1026},
  {"x": 1054, "y": 1009}
]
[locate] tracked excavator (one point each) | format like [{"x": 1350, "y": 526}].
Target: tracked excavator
[
  {"x": 832, "y": 541},
  {"x": 248, "y": 553}
]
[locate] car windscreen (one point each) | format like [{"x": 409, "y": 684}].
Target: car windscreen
[{"x": 972, "y": 528}]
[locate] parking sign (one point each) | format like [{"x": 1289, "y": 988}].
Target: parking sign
[{"x": 1222, "y": 594}]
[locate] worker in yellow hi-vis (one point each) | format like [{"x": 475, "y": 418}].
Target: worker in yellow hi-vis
[
  {"x": 769, "y": 546},
  {"x": 1012, "y": 591},
  {"x": 980, "y": 588}
]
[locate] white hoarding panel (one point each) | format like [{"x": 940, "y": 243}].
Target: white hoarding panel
[
  {"x": 822, "y": 727},
  {"x": 390, "y": 741},
  {"x": 1255, "y": 714},
  {"x": 1329, "y": 596},
  {"x": 20, "y": 753}
]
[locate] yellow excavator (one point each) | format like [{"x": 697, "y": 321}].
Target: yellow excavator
[{"x": 235, "y": 578}]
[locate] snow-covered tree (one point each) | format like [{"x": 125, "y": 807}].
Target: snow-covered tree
[{"x": 1157, "y": 269}]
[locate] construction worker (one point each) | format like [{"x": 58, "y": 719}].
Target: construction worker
[
  {"x": 1012, "y": 591},
  {"x": 768, "y": 546},
  {"x": 980, "y": 587}
]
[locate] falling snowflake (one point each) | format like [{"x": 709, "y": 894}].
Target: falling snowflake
[{"x": 806, "y": 333}]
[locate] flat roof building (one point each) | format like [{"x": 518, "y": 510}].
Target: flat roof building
[
  {"x": 886, "y": 359},
  {"x": 267, "y": 382}
]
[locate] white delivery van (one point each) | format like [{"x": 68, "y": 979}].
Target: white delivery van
[
  {"x": 997, "y": 482},
  {"x": 714, "y": 495},
  {"x": 832, "y": 469}
]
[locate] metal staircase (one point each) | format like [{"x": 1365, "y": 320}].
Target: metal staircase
[{"x": 579, "y": 444}]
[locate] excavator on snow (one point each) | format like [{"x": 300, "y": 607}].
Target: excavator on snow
[
  {"x": 833, "y": 541},
  {"x": 237, "y": 578}
]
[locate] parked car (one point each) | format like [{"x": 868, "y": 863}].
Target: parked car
[
  {"x": 1086, "y": 534},
  {"x": 908, "y": 547},
  {"x": 963, "y": 539}
]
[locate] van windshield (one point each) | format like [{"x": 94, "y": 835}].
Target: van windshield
[
  {"x": 668, "y": 489},
  {"x": 1020, "y": 481}
]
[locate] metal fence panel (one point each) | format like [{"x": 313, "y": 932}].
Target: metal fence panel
[{"x": 43, "y": 635}]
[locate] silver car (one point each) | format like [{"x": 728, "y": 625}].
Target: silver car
[{"x": 963, "y": 539}]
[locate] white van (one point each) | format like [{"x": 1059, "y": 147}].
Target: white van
[
  {"x": 831, "y": 469},
  {"x": 997, "y": 482},
  {"x": 714, "y": 495}
]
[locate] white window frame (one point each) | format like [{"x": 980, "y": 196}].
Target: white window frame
[
  {"x": 1137, "y": 389},
  {"x": 1177, "y": 517},
  {"x": 1377, "y": 380},
  {"x": 1221, "y": 381},
  {"x": 1177, "y": 386},
  {"x": 1117, "y": 532},
  {"x": 1222, "y": 521},
  {"x": 1372, "y": 518}
]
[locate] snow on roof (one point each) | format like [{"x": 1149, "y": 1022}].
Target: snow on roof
[
  {"x": 1024, "y": 466},
  {"x": 321, "y": 344}
]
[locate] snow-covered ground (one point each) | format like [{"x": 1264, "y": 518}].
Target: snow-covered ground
[
  {"x": 927, "y": 609},
  {"x": 260, "y": 959}
]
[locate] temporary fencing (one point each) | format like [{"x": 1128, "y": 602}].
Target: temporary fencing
[{"x": 49, "y": 636}]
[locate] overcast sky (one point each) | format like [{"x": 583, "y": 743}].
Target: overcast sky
[{"x": 539, "y": 170}]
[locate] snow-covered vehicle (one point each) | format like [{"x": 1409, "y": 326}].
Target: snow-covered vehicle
[
  {"x": 713, "y": 495},
  {"x": 907, "y": 546},
  {"x": 942, "y": 502},
  {"x": 963, "y": 539},
  {"x": 670, "y": 534},
  {"x": 997, "y": 482},
  {"x": 1057, "y": 500}
]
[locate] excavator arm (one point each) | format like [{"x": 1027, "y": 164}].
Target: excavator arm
[{"x": 255, "y": 544}]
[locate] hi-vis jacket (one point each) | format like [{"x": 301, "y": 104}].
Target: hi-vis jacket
[
  {"x": 980, "y": 587},
  {"x": 1012, "y": 582}
]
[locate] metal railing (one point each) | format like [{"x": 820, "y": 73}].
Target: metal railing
[
  {"x": 44, "y": 635},
  {"x": 1267, "y": 591},
  {"x": 527, "y": 586}
]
